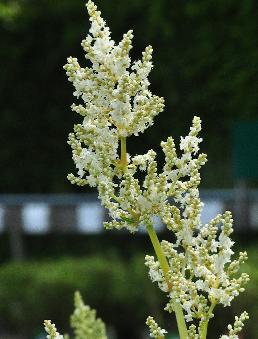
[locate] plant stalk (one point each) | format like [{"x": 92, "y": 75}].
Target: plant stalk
[
  {"x": 165, "y": 268},
  {"x": 204, "y": 325},
  {"x": 123, "y": 157}
]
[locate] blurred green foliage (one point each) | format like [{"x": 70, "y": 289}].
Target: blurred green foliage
[
  {"x": 205, "y": 57},
  {"x": 119, "y": 289},
  {"x": 9, "y": 10}
]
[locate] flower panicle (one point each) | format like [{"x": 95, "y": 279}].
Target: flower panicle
[{"x": 116, "y": 103}]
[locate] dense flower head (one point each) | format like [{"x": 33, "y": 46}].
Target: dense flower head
[{"x": 116, "y": 101}]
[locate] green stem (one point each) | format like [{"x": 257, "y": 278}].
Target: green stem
[
  {"x": 204, "y": 325},
  {"x": 123, "y": 157},
  {"x": 165, "y": 268}
]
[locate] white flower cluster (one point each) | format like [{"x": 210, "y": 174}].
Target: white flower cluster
[
  {"x": 237, "y": 327},
  {"x": 201, "y": 273},
  {"x": 116, "y": 101},
  {"x": 155, "y": 330},
  {"x": 132, "y": 203},
  {"x": 84, "y": 323},
  {"x": 117, "y": 104},
  {"x": 51, "y": 330}
]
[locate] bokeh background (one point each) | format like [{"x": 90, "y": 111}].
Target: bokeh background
[{"x": 206, "y": 64}]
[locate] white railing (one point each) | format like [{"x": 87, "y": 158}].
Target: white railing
[
  {"x": 40, "y": 214},
  {"x": 83, "y": 213}
]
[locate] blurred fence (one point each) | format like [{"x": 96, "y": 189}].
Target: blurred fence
[{"x": 82, "y": 213}]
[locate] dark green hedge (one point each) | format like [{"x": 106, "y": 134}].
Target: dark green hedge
[
  {"x": 33, "y": 291},
  {"x": 119, "y": 289}
]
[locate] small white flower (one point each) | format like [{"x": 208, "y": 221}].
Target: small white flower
[{"x": 190, "y": 144}]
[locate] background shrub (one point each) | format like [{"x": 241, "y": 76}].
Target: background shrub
[{"x": 119, "y": 289}]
